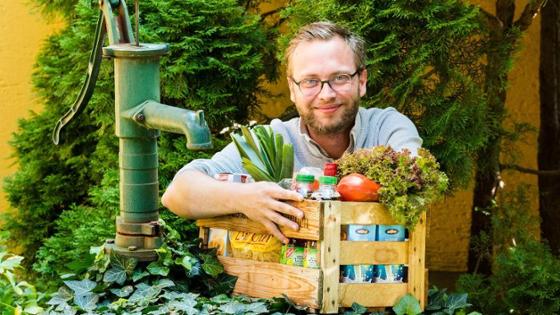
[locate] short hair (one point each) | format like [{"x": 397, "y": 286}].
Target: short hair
[{"x": 326, "y": 30}]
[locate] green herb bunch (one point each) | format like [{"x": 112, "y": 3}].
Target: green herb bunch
[
  {"x": 266, "y": 158},
  {"x": 408, "y": 183}
]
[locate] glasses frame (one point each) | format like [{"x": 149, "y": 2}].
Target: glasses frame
[{"x": 323, "y": 82}]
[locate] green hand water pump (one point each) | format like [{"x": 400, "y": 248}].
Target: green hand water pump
[{"x": 139, "y": 117}]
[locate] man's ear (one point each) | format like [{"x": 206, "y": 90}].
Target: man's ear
[
  {"x": 292, "y": 88},
  {"x": 363, "y": 82}
]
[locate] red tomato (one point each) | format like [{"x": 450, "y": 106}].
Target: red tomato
[{"x": 357, "y": 187}]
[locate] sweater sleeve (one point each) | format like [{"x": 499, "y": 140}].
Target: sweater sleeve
[
  {"x": 225, "y": 161},
  {"x": 398, "y": 131}
]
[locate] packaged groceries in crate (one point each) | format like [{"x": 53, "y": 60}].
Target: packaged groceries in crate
[
  {"x": 255, "y": 246},
  {"x": 354, "y": 253}
]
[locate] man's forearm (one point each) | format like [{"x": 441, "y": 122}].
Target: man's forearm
[{"x": 195, "y": 195}]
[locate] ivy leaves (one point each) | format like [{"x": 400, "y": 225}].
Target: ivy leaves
[{"x": 175, "y": 283}]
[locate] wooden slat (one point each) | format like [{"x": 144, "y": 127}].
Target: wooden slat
[
  {"x": 373, "y": 253},
  {"x": 365, "y": 213},
  {"x": 371, "y": 294},
  {"x": 203, "y": 234},
  {"x": 329, "y": 247},
  {"x": 266, "y": 280},
  {"x": 416, "y": 266},
  {"x": 309, "y": 225}
]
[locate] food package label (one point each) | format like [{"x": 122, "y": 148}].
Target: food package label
[
  {"x": 261, "y": 247},
  {"x": 390, "y": 233}
]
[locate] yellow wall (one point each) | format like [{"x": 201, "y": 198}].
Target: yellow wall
[
  {"x": 21, "y": 35},
  {"x": 449, "y": 223}
]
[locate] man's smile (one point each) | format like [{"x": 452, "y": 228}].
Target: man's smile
[{"x": 327, "y": 109}]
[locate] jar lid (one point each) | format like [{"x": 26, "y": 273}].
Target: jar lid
[
  {"x": 330, "y": 169},
  {"x": 327, "y": 180},
  {"x": 305, "y": 178}
]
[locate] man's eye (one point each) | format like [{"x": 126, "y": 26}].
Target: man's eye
[
  {"x": 309, "y": 82},
  {"x": 342, "y": 78}
]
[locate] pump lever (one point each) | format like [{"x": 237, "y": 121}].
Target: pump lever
[{"x": 89, "y": 84}]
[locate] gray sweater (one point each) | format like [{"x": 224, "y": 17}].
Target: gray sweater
[{"x": 373, "y": 127}]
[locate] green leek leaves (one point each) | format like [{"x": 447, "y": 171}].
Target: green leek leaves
[{"x": 266, "y": 157}]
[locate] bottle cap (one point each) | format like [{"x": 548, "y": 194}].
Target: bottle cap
[
  {"x": 305, "y": 178},
  {"x": 330, "y": 169},
  {"x": 327, "y": 180}
]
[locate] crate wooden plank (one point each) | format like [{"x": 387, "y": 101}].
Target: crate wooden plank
[
  {"x": 329, "y": 247},
  {"x": 416, "y": 266},
  {"x": 203, "y": 234},
  {"x": 373, "y": 253},
  {"x": 370, "y": 294},
  {"x": 309, "y": 225},
  {"x": 266, "y": 280},
  {"x": 365, "y": 213}
]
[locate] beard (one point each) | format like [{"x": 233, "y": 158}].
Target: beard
[{"x": 344, "y": 122}]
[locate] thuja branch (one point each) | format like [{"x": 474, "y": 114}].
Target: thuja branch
[
  {"x": 529, "y": 170},
  {"x": 528, "y": 14}
]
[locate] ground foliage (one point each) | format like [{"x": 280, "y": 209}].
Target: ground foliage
[{"x": 183, "y": 280}]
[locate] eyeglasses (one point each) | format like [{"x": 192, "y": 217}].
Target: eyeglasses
[{"x": 339, "y": 83}]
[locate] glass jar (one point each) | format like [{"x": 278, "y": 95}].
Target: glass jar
[
  {"x": 304, "y": 184},
  {"x": 327, "y": 189}
]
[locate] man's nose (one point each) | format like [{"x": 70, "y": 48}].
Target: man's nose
[{"x": 326, "y": 91}]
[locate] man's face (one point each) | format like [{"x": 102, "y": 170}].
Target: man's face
[{"x": 330, "y": 111}]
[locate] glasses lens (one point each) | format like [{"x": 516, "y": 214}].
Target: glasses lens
[{"x": 340, "y": 83}]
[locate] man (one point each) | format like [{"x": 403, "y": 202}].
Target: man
[{"x": 326, "y": 77}]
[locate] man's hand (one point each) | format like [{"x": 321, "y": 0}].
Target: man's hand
[
  {"x": 195, "y": 195},
  {"x": 262, "y": 202}
]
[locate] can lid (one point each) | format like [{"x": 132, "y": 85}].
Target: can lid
[
  {"x": 305, "y": 178},
  {"x": 330, "y": 169},
  {"x": 327, "y": 180}
]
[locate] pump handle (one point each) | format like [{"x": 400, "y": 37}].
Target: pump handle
[{"x": 89, "y": 84}]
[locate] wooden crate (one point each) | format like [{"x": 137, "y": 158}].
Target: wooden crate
[{"x": 320, "y": 288}]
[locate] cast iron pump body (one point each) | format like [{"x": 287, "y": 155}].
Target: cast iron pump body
[{"x": 139, "y": 117}]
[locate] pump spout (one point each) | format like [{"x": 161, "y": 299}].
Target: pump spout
[{"x": 192, "y": 124}]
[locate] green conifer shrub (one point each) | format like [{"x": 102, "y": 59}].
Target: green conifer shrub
[
  {"x": 216, "y": 62},
  {"x": 423, "y": 59}
]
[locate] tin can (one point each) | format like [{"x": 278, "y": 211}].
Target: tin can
[{"x": 233, "y": 177}]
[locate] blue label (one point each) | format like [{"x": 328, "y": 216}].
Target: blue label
[
  {"x": 390, "y": 233},
  {"x": 389, "y": 273}
]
